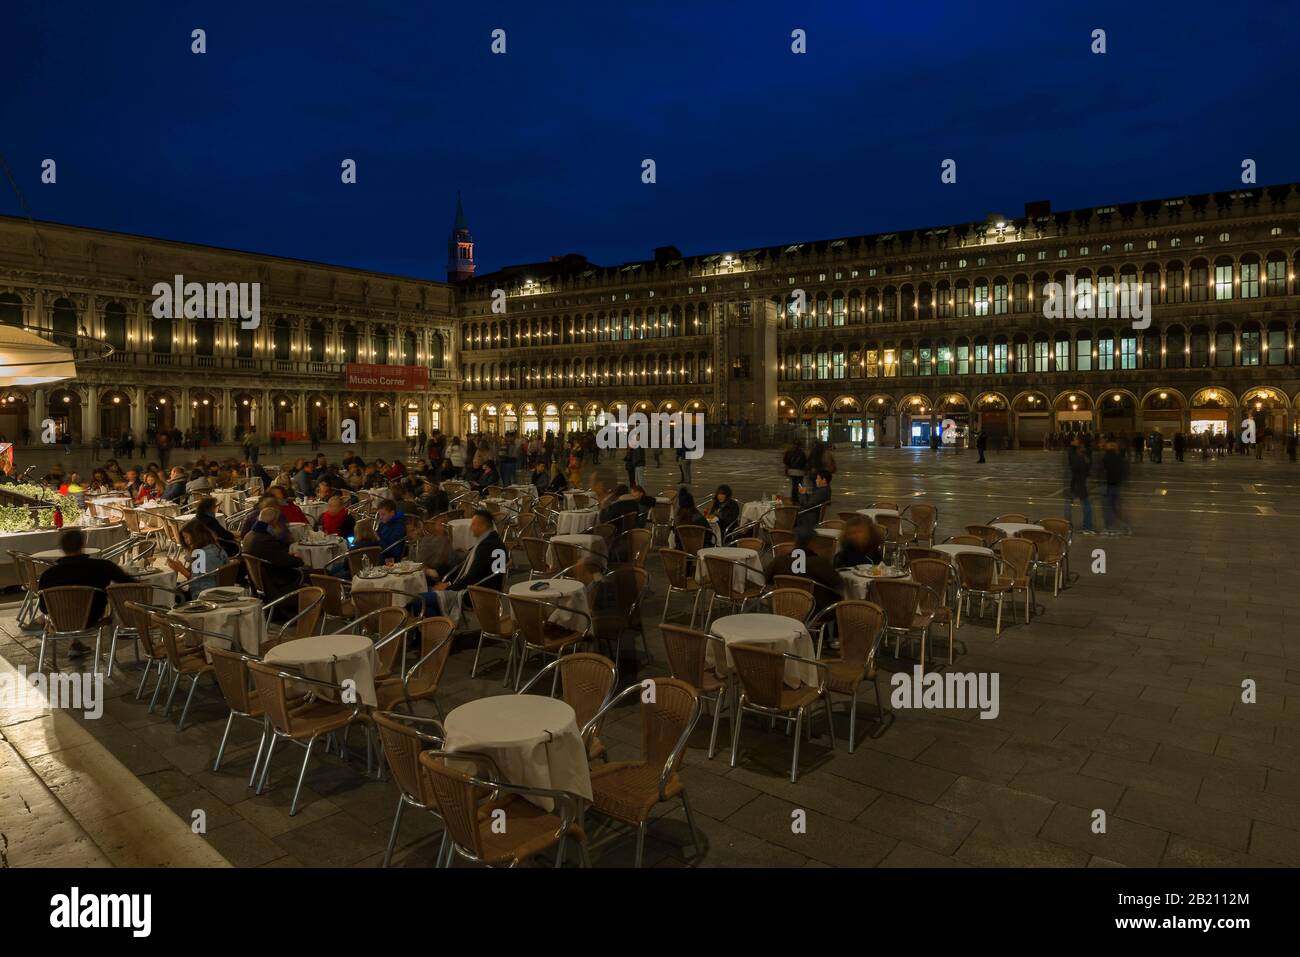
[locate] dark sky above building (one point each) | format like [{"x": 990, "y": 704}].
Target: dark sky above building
[{"x": 753, "y": 144}]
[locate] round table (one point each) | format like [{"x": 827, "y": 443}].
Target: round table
[
  {"x": 535, "y": 741},
  {"x": 571, "y": 497},
  {"x": 784, "y": 633},
  {"x": 109, "y": 507},
  {"x": 319, "y": 554},
  {"x": 335, "y": 658},
  {"x": 313, "y": 510},
  {"x": 162, "y": 579},
  {"x": 958, "y": 549},
  {"x": 1011, "y": 528},
  {"x": 524, "y": 491},
  {"x": 567, "y": 593},
  {"x": 859, "y": 586},
  {"x": 229, "y": 500},
  {"x": 241, "y": 623},
  {"x": 408, "y": 583},
  {"x": 763, "y": 512},
  {"x": 829, "y": 532},
  {"x": 462, "y": 536},
  {"x": 875, "y": 513},
  {"x": 739, "y": 578},
  {"x": 54, "y": 554},
  {"x": 574, "y": 520},
  {"x": 593, "y": 546}
]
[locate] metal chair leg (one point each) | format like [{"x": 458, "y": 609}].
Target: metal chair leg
[
  {"x": 853, "y": 722},
  {"x": 180, "y": 725},
  {"x": 690, "y": 821},
  {"x": 163, "y": 668},
  {"x": 392, "y": 836},
  {"x": 640, "y": 843},
  {"x": 144, "y": 676},
  {"x": 794, "y": 763},
  {"x": 221, "y": 748},
  {"x": 717, "y": 714},
  {"x": 737, "y": 716},
  {"x": 257, "y": 758},
  {"x": 266, "y": 764},
  {"x": 302, "y": 773}
]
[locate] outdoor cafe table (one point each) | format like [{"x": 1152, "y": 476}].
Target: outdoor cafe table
[
  {"x": 875, "y": 513},
  {"x": 319, "y": 554},
  {"x": 572, "y": 496},
  {"x": 240, "y": 621},
  {"x": 313, "y": 510},
  {"x": 108, "y": 507},
  {"x": 408, "y": 583},
  {"x": 589, "y": 543},
  {"x": 462, "y": 536},
  {"x": 739, "y": 578},
  {"x": 333, "y": 658},
  {"x": 534, "y": 740},
  {"x": 229, "y": 500},
  {"x": 151, "y": 513},
  {"x": 829, "y": 532},
  {"x": 958, "y": 549},
  {"x": 567, "y": 593},
  {"x": 54, "y": 554},
  {"x": 763, "y": 512},
  {"x": 782, "y": 633},
  {"x": 524, "y": 491},
  {"x": 573, "y": 521},
  {"x": 858, "y": 586},
  {"x": 1011, "y": 528}
]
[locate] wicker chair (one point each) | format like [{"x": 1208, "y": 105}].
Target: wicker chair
[
  {"x": 627, "y": 791},
  {"x": 781, "y": 549},
  {"x": 964, "y": 540},
  {"x": 357, "y": 555},
  {"x": 761, "y": 673},
  {"x": 832, "y": 523},
  {"x": 936, "y": 573},
  {"x": 987, "y": 534},
  {"x": 403, "y": 741},
  {"x": 67, "y": 618},
  {"x": 977, "y": 577},
  {"x": 722, "y": 573},
  {"x": 537, "y": 550},
  {"x": 539, "y": 635},
  {"x": 154, "y": 652},
  {"x": 676, "y": 569},
  {"x": 126, "y": 622},
  {"x": 308, "y": 606},
  {"x": 691, "y": 537},
  {"x": 335, "y": 603},
  {"x": 861, "y": 627},
  {"x": 228, "y": 574},
  {"x": 28, "y": 577},
  {"x": 420, "y": 681},
  {"x": 661, "y": 516},
  {"x": 1010, "y": 517},
  {"x": 753, "y": 544},
  {"x": 796, "y": 603},
  {"x": 630, "y": 547},
  {"x": 495, "y": 625},
  {"x": 1065, "y": 530},
  {"x": 254, "y": 567},
  {"x": 183, "y": 661},
  {"x": 925, "y": 518},
  {"x": 779, "y": 538},
  {"x": 899, "y": 532},
  {"x": 909, "y": 611},
  {"x": 1017, "y": 557},
  {"x": 783, "y": 517},
  {"x": 688, "y": 662},
  {"x": 302, "y": 725},
  {"x": 586, "y": 683},
  {"x": 470, "y": 807},
  {"x": 616, "y": 607},
  {"x": 231, "y": 670},
  {"x": 1049, "y": 554},
  {"x": 893, "y": 505},
  {"x": 366, "y": 600},
  {"x": 913, "y": 552},
  {"x": 823, "y": 546}
]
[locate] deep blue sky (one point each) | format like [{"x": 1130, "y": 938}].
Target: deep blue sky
[{"x": 754, "y": 145}]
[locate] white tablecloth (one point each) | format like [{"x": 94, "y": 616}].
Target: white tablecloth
[
  {"x": 785, "y": 634},
  {"x": 875, "y": 513},
  {"x": 764, "y": 512},
  {"x": 150, "y": 513},
  {"x": 1012, "y": 528},
  {"x": 298, "y": 531},
  {"x": 739, "y": 579},
  {"x": 534, "y": 741},
  {"x": 525, "y": 491},
  {"x": 565, "y": 592},
  {"x": 163, "y": 581},
  {"x": 336, "y": 658},
  {"x": 44, "y": 539},
  {"x": 408, "y": 583},
  {"x": 592, "y": 543},
  {"x": 108, "y": 507},
  {"x": 829, "y": 532},
  {"x": 462, "y": 536},
  {"x": 240, "y": 621},
  {"x": 318, "y": 555},
  {"x": 54, "y": 554},
  {"x": 313, "y": 510},
  {"x": 229, "y": 500},
  {"x": 572, "y": 521},
  {"x": 958, "y": 549},
  {"x": 571, "y": 497}
]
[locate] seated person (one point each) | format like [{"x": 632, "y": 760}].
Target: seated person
[
  {"x": 487, "y": 477},
  {"x": 175, "y": 490},
  {"x": 281, "y": 569},
  {"x": 810, "y": 499},
  {"x": 78, "y": 568},
  {"x": 266, "y": 501},
  {"x": 290, "y": 513},
  {"x": 724, "y": 508},
  {"x": 433, "y": 499},
  {"x": 828, "y": 587},
  {"x": 480, "y": 567},
  {"x": 390, "y": 529},
  {"x": 205, "y": 513},
  {"x": 539, "y": 479},
  {"x": 688, "y": 514},
  {"x": 430, "y": 544},
  {"x": 624, "y": 512},
  {"x": 861, "y": 543},
  {"x": 337, "y": 520},
  {"x": 199, "y": 573}
]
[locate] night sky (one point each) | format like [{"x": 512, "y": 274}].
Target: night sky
[{"x": 754, "y": 145}]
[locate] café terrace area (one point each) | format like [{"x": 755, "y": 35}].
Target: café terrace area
[{"x": 1122, "y": 693}]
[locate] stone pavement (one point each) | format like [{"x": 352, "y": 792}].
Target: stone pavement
[{"x": 1123, "y": 695}]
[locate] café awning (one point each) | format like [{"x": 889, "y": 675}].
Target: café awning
[{"x": 28, "y": 359}]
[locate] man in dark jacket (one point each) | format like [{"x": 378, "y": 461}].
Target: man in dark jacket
[
  {"x": 828, "y": 587},
  {"x": 982, "y": 443},
  {"x": 624, "y": 512},
  {"x": 281, "y": 569},
  {"x": 175, "y": 490},
  {"x": 77, "y": 568},
  {"x": 433, "y": 499},
  {"x": 1079, "y": 466},
  {"x": 485, "y": 564},
  {"x": 811, "y": 499}
]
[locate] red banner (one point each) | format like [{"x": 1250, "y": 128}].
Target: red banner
[{"x": 386, "y": 378}]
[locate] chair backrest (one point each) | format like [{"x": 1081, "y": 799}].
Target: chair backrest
[
  {"x": 545, "y": 502},
  {"x": 691, "y": 537},
  {"x": 254, "y": 566},
  {"x": 332, "y": 589},
  {"x": 801, "y": 582},
  {"x": 761, "y": 670},
  {"x": 68, "y": 607},
  {"x": 796, "y": 603},
  {"x": 121, "y": 597},
  {"x": 586, "y": 680},
  {"x": 976, "y": 570},
  {"x": 530, "y": 615},
  {"x": 1060, "y": 526},
  {"x": 163, "y": 624},
  {"x": 535, "y": 549},
  {"x": 25, "y": 569},
  {"x": 366, "y": 600},
  {"x": 686, "y": 649},
  {"x": 893, "y": 505},
  {"x": 752, "y": 543},
  {"x": 605, "y": 530},
  {"x": 632, "y": 546},
  {"x": 925, "y": 517},
  {"x": 901, "y": 600},
  {"x": 915, "y": 552},
  {"x": 311, "y": 605},
  {"x": 435, "y": 648},
  {"x": 228, "y": 574},
  {"x": 780, "y": 549},
  {"x": 723, "y": 573},
  {"x": 965, "y": 540},
  {"x": 1050, "y": 545},
  {"x": 666, "y": 719},
  {"x": 457, "y": 800},
  {"x": 823, "y": 546},
  {"x": 661, "y": 513},
  {"x": 619, "y": 592},
  {"x": 832, "y": 523},
  {"x": 272, "y": 695},
  {"x": 487, "y": 609},
  {"x": 784, "y": 517},
  {"x": 675, "y": 562},
  {"x": 357, "y": 554},
  {"x": 386, "y": 621},
  {"x": 1017, "y": 554},
  {"x": 1010, "y": 517},
  {"x": 934, "y": 572},
  {"x": 987, "y": 534},
  {"x": 858, "y": 624},
  {"x": 402, "y": 746},
  {"x": 231, "y": 669}
]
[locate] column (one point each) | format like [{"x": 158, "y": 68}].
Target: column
[{"x": 90, "y": 415}]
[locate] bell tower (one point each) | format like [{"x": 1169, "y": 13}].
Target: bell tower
[{"x": 460, "y": 247}]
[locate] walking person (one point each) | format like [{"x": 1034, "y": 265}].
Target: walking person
[
  {"x": 795, "y": 463},
  {"x": 683, "y": 467},
  {"x": 1137, "y": 446},
  {"x": 1114, "y": 467},
  {"x": 1179, "y": 444},
  {"x": 1078, "y": 466},
  {"x": 982, "y": 443}
]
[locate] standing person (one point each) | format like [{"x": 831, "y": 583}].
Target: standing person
[
  {"x": 683, "y": 466},
  {"x": 1137, "y": 446},
  {"x": 812, "y": 500},
  {"x": 509, "y": 459},
  {"x": 1078, "y": 465},
  {"x": 1113, "y": 465},
  {"x": 456, "y": 455},
  {"x": 1180, "y": 442},
  {"x": 634, "y": 461},
  {"x": 795, "y": 462},
  {"x": 1291, "y": 446},
  {"x": 982, "y": 443}
]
